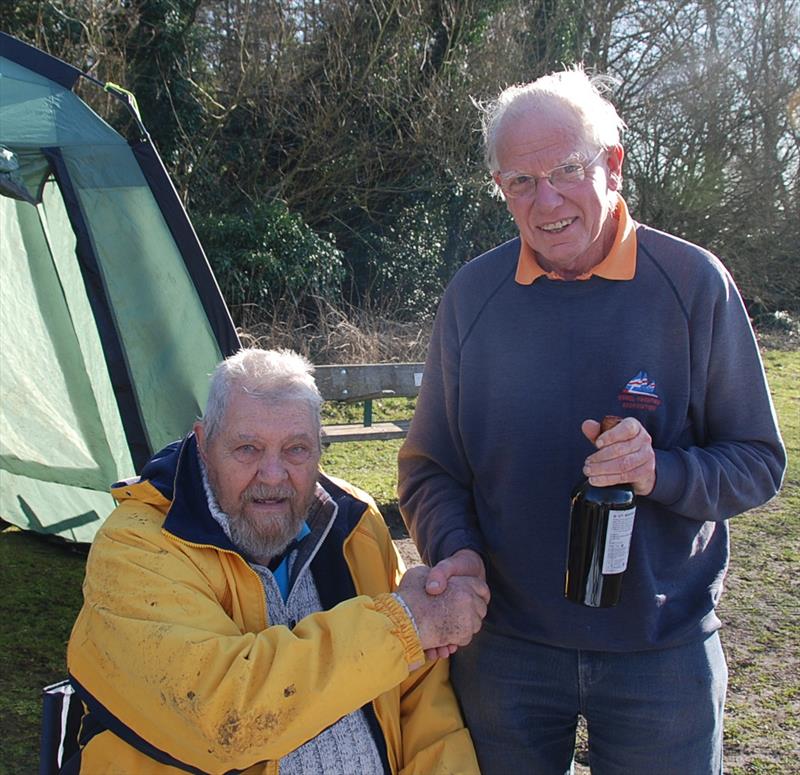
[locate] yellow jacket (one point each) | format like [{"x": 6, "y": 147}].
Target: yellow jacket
[{"x": 173, "y": 659}]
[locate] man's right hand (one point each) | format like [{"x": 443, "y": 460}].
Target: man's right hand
[
  {"x": 464, "y": 562},
  {"x": 451, "y": 617}
]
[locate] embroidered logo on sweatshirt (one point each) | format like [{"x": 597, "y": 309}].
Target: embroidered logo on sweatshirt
[{"x": 640, "y": 393}]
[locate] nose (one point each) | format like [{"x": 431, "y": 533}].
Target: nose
[
  {"x": 547, "y": 196},
  {"x": 271, "y": 469}
]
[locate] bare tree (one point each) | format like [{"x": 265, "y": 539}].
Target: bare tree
[
  {"x": 713, "y": 156},
  {"x": 357, "y": 115}
]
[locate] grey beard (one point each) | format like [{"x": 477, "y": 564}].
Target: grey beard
[
  {"x": 257, "y": 547},
  {"x": 253, "y": 545}
]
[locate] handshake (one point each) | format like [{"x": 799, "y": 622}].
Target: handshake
[{"x": 448, "y": 601}]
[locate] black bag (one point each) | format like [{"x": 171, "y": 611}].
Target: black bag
[{"x": 61, "y": 720}]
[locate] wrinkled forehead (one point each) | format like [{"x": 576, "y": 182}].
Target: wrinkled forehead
[
  {"x": 531, "y": 141},
  {"x": 546, "y": 107},
  {"x": 248, "y": 410}
]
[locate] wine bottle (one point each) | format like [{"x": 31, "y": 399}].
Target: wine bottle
[{"x": 600, "y": 528}]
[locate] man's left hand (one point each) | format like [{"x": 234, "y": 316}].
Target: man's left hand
[{"x": 624, "y": 456}]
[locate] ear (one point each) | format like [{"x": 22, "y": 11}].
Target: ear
[
  {"x": 614, "y": 160},
  {"x": 200, "y": 433}
]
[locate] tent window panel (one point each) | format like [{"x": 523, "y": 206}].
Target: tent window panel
[
  {"x": 161, "y": 321},
  {"x": 62, "y": 240}
]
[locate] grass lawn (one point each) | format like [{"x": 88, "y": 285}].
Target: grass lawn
[{"x": 760, "y": 610}]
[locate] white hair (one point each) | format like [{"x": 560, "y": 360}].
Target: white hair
[
  {"x": 570, "y": 95},
  {"x": 271, "y": 375}
]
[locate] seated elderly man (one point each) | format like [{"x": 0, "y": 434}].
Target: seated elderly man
[{"x": 242, "y": 610}]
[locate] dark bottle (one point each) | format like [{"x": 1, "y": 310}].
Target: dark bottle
[{"x": 600, "y": 528}]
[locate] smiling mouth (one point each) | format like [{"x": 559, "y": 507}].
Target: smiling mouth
[{"x": 557, "y": 226}]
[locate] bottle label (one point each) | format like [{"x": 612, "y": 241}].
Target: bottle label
[{"x": 618, "y": 540}]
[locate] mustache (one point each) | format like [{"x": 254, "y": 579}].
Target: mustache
[{"x": 262, "y": 492}]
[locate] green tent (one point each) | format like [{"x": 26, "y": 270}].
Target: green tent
[{"x": 110, "y": 317}]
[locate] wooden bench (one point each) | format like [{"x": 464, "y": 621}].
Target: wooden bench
[{"x": 366, "y": 382}]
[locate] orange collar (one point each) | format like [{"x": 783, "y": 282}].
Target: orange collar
[{"x": 619, "y": 264}]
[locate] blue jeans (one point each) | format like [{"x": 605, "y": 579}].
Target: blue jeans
[{"x": 647, "y": 712}]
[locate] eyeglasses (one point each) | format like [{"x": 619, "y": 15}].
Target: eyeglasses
[{"x": 561, "y": 178}]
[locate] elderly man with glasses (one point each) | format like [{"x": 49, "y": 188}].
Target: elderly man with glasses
[{"x": 587, "y": 313}]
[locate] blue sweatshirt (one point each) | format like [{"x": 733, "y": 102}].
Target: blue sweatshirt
[{"x": 495, "y": 447}]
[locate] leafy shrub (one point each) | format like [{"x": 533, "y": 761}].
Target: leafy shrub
[
  {"x": 264, "y": 255},
  {"x": 409, "y": 262}
]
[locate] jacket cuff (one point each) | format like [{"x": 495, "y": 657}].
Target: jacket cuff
[{"x": 402, "y": 626}]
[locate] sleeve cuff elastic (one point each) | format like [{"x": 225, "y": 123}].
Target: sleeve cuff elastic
[
  {"x": 403, "y": 626},
  {"x": 405, "y": 607}
]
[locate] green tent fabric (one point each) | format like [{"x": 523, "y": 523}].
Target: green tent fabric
[{"x": 110, "y": 317}]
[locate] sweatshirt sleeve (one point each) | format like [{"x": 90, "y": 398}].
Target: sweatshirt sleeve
[
  {"x": 732, "y": 457},
  {"x": 165, "y": 666},
  {"x": 435, "y": 480}
]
